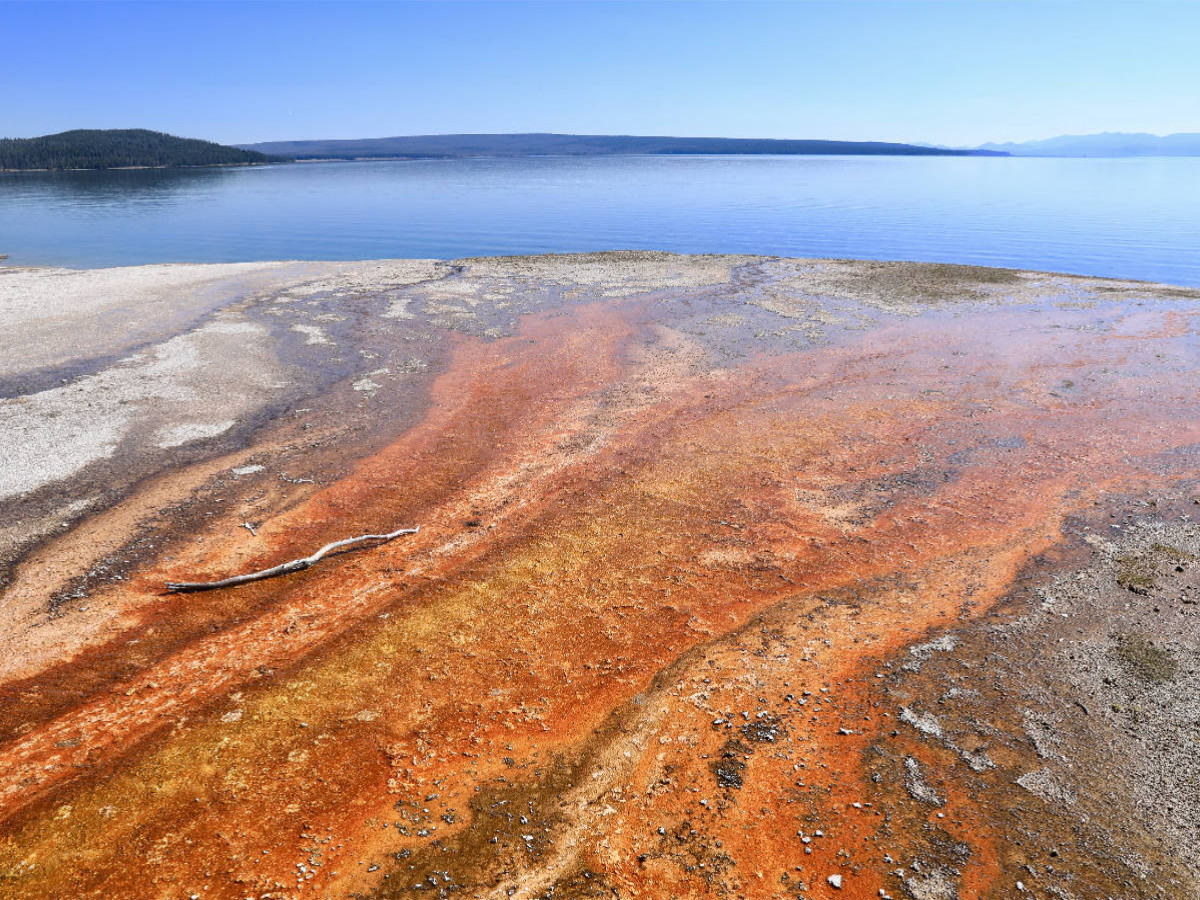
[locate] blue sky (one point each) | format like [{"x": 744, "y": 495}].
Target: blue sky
[{"x": 953, "y": 73}]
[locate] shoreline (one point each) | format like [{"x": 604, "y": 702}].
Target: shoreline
[
  {"x": 151, "y": 168},
  {"x": 7, "y": 264}
]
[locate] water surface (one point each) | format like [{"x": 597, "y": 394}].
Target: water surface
[{"x": 1134, "y": 218}]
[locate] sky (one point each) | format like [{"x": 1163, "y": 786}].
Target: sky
[{"x": 947, "y": 73}]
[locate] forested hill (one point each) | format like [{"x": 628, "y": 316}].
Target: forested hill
[
  {"x": 451, "y": 146},
  {"x": 119, "y": 148}
]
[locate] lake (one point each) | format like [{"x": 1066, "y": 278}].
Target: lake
[{"x": 1135, "y": 218}]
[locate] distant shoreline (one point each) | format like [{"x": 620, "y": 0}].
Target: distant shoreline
[
  {"x": 460, "y": 146},
  {"x": 1109, "y": 145},
  {"x": 374, "y": 159},
  {"x": 242, "y": 165}
]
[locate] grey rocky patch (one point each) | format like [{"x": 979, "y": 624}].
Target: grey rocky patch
[
  {"x": 1081, "y": 709},
  {"x": 978, "y": 761},
  {"x": 1155, "y": 722},
  {"x": 926, "y": 723},
  {"x": 921, "y": 652},
  {"x": 1042, "y": 734},
  {"x": 176, "y": 435},
  {"x": 763, "y": 728},
  {"x": 314, "y": 334},
  {"x": 1044, "y": 785},
  {"x": 940, "y": 884},
  {"x": 915, "y": 784}
]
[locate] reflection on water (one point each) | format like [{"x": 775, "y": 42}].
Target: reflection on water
[
  {"x": 112, "y": 189},
  {"x": 1132, "y": 218}
]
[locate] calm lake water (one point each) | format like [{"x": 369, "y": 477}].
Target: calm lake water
[{"x": 1137, "y": 218}]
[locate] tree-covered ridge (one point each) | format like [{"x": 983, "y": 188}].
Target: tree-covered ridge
[
  {"x": 118, "y": 148},
  {"x": 453, "y": 146}
]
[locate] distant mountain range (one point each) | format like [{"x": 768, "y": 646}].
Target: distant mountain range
[
  {"x": 1108, "y": 144},
  {"x": 454, "y": 146},
  {"x": 117, "y": 148}
]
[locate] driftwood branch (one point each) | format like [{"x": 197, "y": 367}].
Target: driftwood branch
[{"x": 294, "y": 566}]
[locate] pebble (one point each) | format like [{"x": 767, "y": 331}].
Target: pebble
[{"x": 835, "y": 881}]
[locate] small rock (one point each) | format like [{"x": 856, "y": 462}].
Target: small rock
[{"x": 835, "y": 881}]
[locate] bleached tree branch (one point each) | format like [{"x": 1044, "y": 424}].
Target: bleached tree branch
[{"x": 294, "y": 565}]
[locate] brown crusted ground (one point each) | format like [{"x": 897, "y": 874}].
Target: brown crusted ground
[{"x": 706, "y": 600}]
